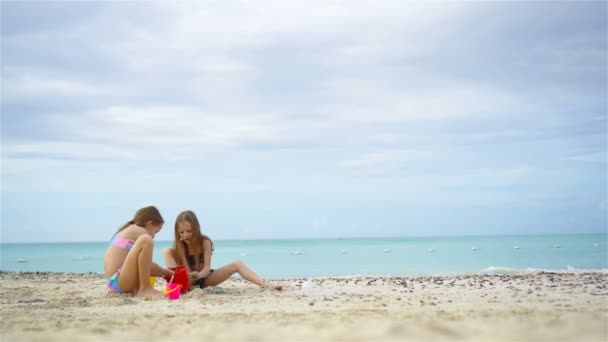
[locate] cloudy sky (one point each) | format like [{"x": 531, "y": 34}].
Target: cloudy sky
[{"x": 281, "y": 119}]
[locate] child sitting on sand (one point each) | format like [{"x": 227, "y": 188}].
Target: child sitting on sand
[
  {"x": 128, "y": 261},
  {"x": 193, "y": 249}
]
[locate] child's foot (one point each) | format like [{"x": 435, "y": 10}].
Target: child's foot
[
  {"x": 150, "y": 293},
  {"x": 272, "y": 286}
]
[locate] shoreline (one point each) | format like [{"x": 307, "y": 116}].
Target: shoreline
[
  {"x": 54, "y": 306},
  {"x": 490, "y": 271}
]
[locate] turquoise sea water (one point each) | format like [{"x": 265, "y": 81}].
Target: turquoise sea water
[{"x": 351, "y": 257}]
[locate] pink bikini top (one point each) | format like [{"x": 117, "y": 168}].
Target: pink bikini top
[{"x": 121, "y": 242}]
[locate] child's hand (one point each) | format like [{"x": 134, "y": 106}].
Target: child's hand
[{"x": 193, "y": 275}]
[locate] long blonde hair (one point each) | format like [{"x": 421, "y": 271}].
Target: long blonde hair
[
  {"x": 143, "y": 216},
  {"x": 197, "y": 238}
]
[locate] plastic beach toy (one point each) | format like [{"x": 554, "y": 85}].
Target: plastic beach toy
[
  {"x": 152, "y": 282},
  {"x": 173, "y": 290},
  {"x": 180, "y": 276}
]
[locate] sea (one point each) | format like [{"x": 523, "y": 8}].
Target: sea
[{"x": 352, "y": 257}]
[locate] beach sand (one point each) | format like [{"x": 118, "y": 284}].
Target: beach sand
[{"x": 543, "y": 306}]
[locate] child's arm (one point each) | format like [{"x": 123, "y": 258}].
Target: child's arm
[
  {"x": 207, "y": 255},
  {"x": 157, "y": 271},
  {"x": 182, "y": 260}
]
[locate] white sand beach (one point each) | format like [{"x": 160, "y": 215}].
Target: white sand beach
[{"x": 544, "y": 306}]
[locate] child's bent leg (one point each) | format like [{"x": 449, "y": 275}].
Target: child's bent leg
[
  {"x": 135, "y": 271},
  {"x": 169, "y": 258}
]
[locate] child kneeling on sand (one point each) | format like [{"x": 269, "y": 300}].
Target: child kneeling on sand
[{"x": 128, "y": 261}]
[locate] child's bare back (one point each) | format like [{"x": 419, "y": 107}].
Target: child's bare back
[{"x": 115, "y": 257}]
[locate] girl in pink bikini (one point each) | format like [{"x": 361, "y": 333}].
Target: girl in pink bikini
[
  {"x": 193, "y": 249},
  {"x": 128, "y": 261}
]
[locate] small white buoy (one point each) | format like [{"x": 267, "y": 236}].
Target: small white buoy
[
  {"x": 431, "y": 250},
  {"x": 22, "y": 260},
  {"x": 595, "y": 245},
  {"x": 474, "y": 248},
  {"x": 515, "y": 247},
  {"x": 343, "y": 252},
  {"x": 387, "y": 251},
  {"x": 556, "y": 246},
  {"x": 297, "y": 253},
  {"x": 243, "y": 254}
]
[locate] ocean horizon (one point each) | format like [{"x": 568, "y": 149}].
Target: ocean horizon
[{"x": 351, "y": 257}]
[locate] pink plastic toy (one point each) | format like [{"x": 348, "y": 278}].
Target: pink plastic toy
[{"x": 173, "y": 290}]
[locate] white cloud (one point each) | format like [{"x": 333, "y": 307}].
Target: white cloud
[
  {"x": 369, "y": 101},
  {"x": 223, "y": 45},
  {"x": 67, "y": 150},
  {"x": 383, "y": 157},
  {"x": 171, "y": 126},
  {"x": 595, "y": 157},
  {"x": 29, "y": 84},
  {"x": 405, "y": 102}
]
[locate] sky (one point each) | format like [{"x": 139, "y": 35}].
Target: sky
[{"x": 292, "y": 119}]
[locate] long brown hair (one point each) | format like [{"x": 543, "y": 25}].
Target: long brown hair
[
  {"x": 197, "y": 237},
  {"x": 143, "y": 216}
]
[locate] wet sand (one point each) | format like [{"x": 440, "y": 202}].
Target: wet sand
[{"x": 543, "y": 306}]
